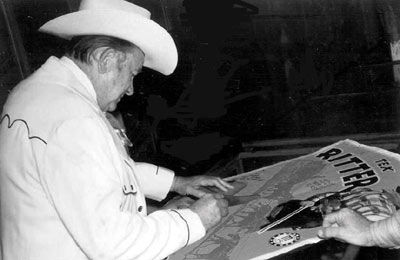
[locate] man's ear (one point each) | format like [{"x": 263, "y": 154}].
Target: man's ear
[{"x": 106, "y": 58}]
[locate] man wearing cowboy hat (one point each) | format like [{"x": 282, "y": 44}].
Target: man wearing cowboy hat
[{"x": 68, "y": 189}]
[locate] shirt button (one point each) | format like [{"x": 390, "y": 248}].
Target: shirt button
[{"x": 140, "y": 208}]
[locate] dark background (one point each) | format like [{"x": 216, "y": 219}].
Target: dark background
[
  {"x": 248, "y": 71},
  {"x": 276, "y": 71}
]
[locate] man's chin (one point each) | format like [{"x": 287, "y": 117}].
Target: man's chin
[{"x": 112, "y": 107}]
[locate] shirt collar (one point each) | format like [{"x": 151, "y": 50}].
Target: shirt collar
[{"x": 81, "y": 76}]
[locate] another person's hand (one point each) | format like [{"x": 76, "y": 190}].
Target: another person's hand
[
  {"x": 179, "y": 203},
  {"x": 348, "y": 226},
  {"x": 210, "y": 208},
  {"x": 191, "y": 185}
]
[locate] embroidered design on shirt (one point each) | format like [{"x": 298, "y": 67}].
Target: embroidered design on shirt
[{"x": 10, "y": 124}]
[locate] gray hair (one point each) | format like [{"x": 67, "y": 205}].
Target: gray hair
[{"x": 82, "y": 47}]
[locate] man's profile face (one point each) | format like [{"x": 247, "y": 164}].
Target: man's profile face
[{"x": 119, "y": 79}]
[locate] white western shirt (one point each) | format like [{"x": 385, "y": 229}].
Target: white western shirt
[{"x": 68, "y": 189}]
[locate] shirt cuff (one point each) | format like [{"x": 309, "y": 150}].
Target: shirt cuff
[
  {"x": 385, "y": 233},
  {"x": 196, "y": 229},
  {"x": 155, "y": 181},
  {"x": 166, "y": 179}
]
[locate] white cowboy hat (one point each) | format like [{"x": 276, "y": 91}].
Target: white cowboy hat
[{"x": 124, "y": 20}]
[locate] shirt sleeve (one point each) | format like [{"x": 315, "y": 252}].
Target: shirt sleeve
[
  {"x": 385, "y": 233},
  {"x": 78, "y": 174},
  {"x": 155, "y": 181}
]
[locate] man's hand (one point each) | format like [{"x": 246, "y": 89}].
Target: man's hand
[
  {"x": 179, "y": 203},
  {"x": 191, "y": 185},
  {"x": 348, "y": 226},
  {"x": 210, "y": 208}
]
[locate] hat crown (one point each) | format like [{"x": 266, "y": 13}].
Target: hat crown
[
  {"x": 123, "y": 20},
  {"x": 119, "y": 5}
]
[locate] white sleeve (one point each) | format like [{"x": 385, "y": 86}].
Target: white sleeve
[
  {"x": 386, "y": 233},
  {"x": 155, "y": 181},
  {"x": 78, "y": 175}
]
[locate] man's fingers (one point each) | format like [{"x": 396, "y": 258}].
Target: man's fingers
[
  {"x": 331, "y": 219},
  {"x": 328, "y": 232},
  {"x": 199, "y": 186},
  {"x": 226, "y": 184},
  {"x": 224, "y": 202},
  {"x": 198, "y": 193},
  {"x": 224, "y": 211},
  {"x": 218, "y": 195},
  {"x": 222, "y": 185},
  {"x": 223, "y": 205}
]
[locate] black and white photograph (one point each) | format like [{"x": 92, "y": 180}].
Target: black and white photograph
[{"x": 199, "y": 129}]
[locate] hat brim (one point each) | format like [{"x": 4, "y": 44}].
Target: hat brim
[{"x": 156, "y": 43}]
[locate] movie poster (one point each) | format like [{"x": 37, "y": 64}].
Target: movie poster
[{"x": 276, "y": 209}]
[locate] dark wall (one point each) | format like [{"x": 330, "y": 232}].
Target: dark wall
[{"x": 248, "y": 70}]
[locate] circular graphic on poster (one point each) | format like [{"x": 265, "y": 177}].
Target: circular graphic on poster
[{"x": 284, "y": 239}]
